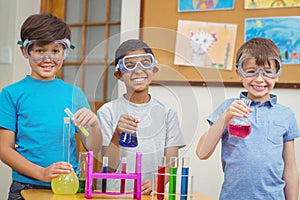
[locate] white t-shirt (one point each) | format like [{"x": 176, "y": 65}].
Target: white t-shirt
[{"x": 158, "y": 129}]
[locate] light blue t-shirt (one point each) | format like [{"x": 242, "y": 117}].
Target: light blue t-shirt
[
  {"x": 253, "y": 166},
  {"x": 34, "y": 110}
]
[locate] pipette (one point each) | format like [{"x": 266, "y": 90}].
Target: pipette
[{"x": 81, "y": 128}]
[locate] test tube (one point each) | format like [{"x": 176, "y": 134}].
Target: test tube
[
  {"x": 104, "y": 170},
  {"x": 66, "y": 140},
  {"x": 161, "y": 179},
  {"x": 172, "y": 181},
  {"x": 184, "y": 178},
  {"x": 81, "y": 128},
  {"x": 124, "y": 163}
]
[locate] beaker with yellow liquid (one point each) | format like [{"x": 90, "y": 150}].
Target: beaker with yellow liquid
[{"x": 65, "y": 183}]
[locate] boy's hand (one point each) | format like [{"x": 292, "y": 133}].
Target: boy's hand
[
  {"x": 55, "y": 170},
  {"x": 237, "y": 109},
  {"x": 127, "y": 123},
  {"x": 85, "y": 117},
  {"x": 146, "y": 187}
]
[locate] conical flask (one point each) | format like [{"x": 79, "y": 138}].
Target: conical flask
[
  {"x": 65, "y": 183},
  {"x": 240, "y": 126}
]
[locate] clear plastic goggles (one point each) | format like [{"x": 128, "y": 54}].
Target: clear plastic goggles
[
  {"x": 36, "y": 52},
  {"x": 248, "y": 67},
  {"x": 130, "y": 63}
]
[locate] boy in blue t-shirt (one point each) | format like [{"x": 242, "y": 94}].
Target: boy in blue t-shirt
[
  {"x": 32, "y": 110},
  {"x": 261, "y": 165}
]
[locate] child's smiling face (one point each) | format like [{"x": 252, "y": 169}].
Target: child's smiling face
[{"x": 138, "y": 80}]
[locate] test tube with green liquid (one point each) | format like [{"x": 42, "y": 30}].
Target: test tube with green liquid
[{"x": 172, "y": 181}]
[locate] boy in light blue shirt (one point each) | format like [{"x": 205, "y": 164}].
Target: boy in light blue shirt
[{"x": 262, "y": 165}]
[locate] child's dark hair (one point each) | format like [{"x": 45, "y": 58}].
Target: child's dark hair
[
  {"x": 131, "y": 45},
  {"x": 44, "y": 27},
  {"x": 260, "y": 48}
]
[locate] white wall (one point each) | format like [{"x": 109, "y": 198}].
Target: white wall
[{"x": 12, "y": 15}]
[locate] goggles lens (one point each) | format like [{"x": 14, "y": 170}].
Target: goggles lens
[
  {"x": 37, "y": 52},
  {"x": 271, "y": 68},
  {"x": 130, "y": 63}
]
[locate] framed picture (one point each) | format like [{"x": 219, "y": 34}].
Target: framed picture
[
  {"x": 257, "y": 4},
  {"x": 204, "y": 5},
  {"x": 204, "y": 44},
  {"x": 284, "y": 31}
]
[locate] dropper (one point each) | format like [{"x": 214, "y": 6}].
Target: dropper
[{"x": 81, "y": 128}]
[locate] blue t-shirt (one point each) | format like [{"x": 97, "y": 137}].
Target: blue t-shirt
[
  {"x": 34, "y": 111},
  {"x": 253, "y": 167}
]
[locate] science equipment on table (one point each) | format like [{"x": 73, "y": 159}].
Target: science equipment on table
[
  {"x": 136, "y": 176},
  {"x": 240, "y": 126},
  {"x": 123, "y": 171},
  {"x": 185, "y": 164},
  {"x": 81, "y": 128},
  {"x": 172, "y": 181},
  {"x": 104, "y": 170},
  {"x": 178, "y": 183},
  {"x": 82, "y": 164},
  {"x": 128, "y": 140},
  {"x": 161, "y": 179},
  {"x": 65, "y": 183}
]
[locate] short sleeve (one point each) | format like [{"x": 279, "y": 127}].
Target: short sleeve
[
  {"x": 106, "y": 123},
  {"x": 8, "y": 115},
  {"x": 174, "y": 135}
]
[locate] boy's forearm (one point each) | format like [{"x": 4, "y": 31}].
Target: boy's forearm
[
  {"x": 17, "y": 162},
  {"x": 113, "y": 152},
  {"x": 291, "y": 189},
  {"x": 94, "y": 140},
  {"x": 210, "y": 139}
]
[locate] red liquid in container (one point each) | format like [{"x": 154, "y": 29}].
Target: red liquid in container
[
  {"x": 160, "y": 182},
  {"x": 240, "y": 131}
]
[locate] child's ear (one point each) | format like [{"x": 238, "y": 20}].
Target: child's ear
[
  {"x": 23, "y": 52},
  {"x": 118, "y": 75},
  {"x": 155, "y": 69}
]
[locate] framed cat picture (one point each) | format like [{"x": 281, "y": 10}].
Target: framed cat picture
[{"x": 204, "y": 44}]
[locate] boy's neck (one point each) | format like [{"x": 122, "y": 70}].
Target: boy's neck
[{"x": 138, "y": 98}]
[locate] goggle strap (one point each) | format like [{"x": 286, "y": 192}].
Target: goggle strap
[
  {"x": 71, "y": 46},
  {"x": 20, "y": 42}
]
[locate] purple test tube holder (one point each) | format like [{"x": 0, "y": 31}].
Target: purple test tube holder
[{"x": 137, "y": 177}]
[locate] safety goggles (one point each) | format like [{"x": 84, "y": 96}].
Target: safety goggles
[
  {"x": 129, "y": 63},
  {"x": 36, "y": 52},
  {"x": 247, "y": 67}
]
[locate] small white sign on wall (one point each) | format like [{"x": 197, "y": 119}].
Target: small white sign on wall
[{"x": 5, "y": 55}]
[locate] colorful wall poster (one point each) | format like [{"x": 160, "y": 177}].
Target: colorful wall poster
[
  {"x": 256, "y": 4},
  {"x": 284, "y": 31},
  {"x": 204, "y": 44},
  {"x": 204, "y": 5}
]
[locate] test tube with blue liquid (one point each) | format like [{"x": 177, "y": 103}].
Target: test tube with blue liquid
[
  {"x": 184, "y": 178},
  {"x": 104, "y": 170}
]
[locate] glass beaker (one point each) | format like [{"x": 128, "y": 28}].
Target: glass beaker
[
  {"x": 65, "y": 183},
  {"x": 240, "y": 126},
  {"x": 128, "y": 140},
  {"x": 82, "y": 165}
]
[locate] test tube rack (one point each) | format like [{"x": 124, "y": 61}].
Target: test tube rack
[
  {"x": 180, "y": 184},
  {"x": 137, "y": 177}
]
